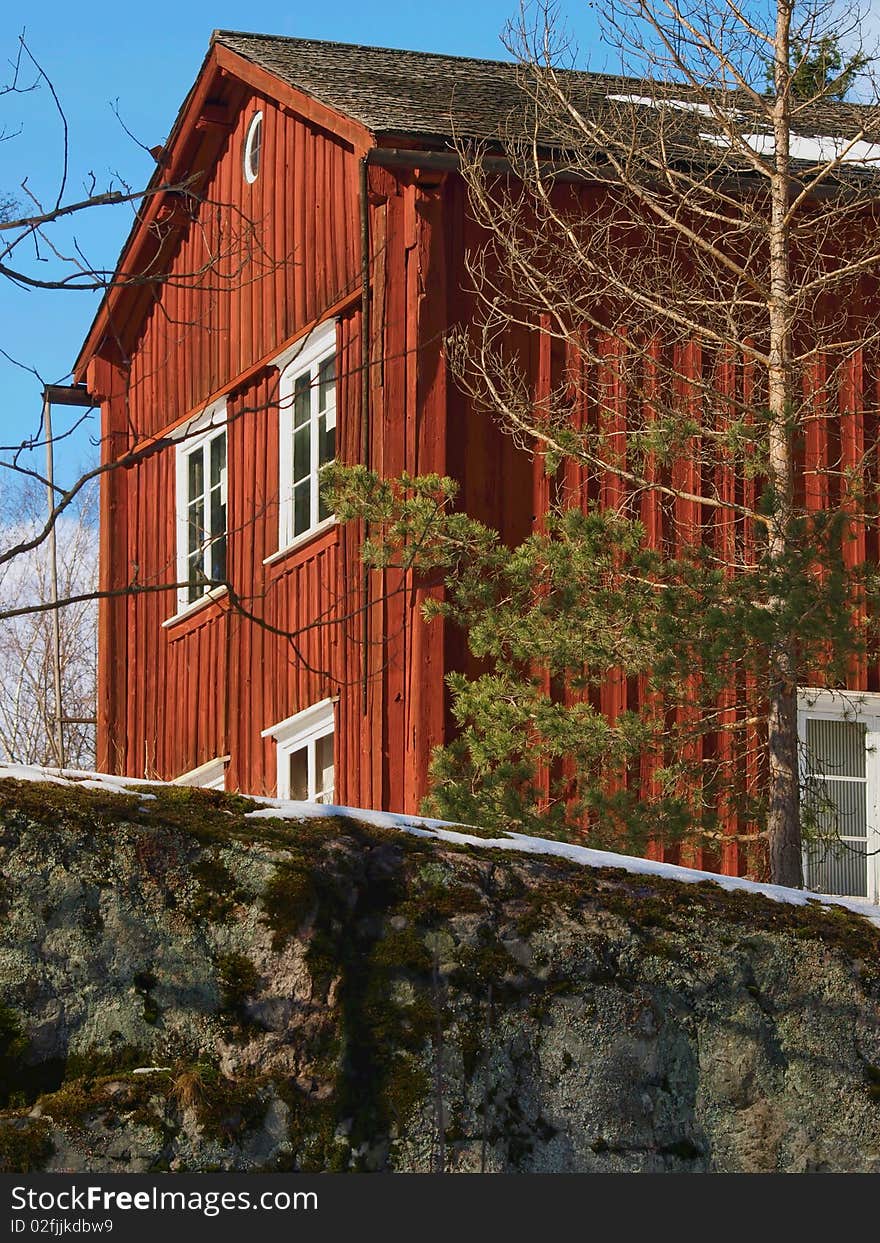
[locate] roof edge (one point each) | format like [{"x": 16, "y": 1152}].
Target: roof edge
[{"x": 218, "y": 59}]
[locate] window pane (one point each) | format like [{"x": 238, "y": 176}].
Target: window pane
[
  {"x": 302, "y": 494},
  {"x": 218, "y": 534},
  {"x": 838, "y": 868},
  {"x": 324, "y": 769},
  {"x": 301, "y": 399},
  {"x": 326, "y": 382},
  {"x": 218, "y": 512},
  {"x": 326, "y": 441},
  {"x": 837, "y": 808},
  {"x": 256, "y": 147},
  {"x": 218, "y": 459},
  {"x": 324, "y": 510},
  {"x": 218, "y": 559},
  {"x": 195, "y": 576},
  {"x": 836, "y": 748},
  {"x": 326, "y": 453},
  {"x": 195, "y": 475},
  {"x": 299, "y": 774},
  {"x": 302, "y": 452},
  {"x": 196, "y": 525}
]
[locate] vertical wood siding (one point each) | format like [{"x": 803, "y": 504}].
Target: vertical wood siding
[
  {"x": 258, "y": 263},
  {"x": 171, "y": 698}
]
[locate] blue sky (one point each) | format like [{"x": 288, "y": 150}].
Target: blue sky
[{"x": 145, "y": 58}]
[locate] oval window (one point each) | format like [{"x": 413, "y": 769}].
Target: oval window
[{"x": 252, "y": 147}]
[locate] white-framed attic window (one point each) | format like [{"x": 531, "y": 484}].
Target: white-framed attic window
[
  {"x": 201, "y": 506},
  {"x": 253, "y": 148},
  {"x": 839, "y": 744},
  {"x": 305, "y": 754},
  {"x": 307, "y": 433}
]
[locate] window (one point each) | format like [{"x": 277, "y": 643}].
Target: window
[
  {"x": 201, "y": 508},
  {"x": 253, "y": 148},
  {"x": 307, "y": 430},
  {"x": 305, "y": 754},
  {"x": 209, "y": 776},
  {"x": 839, "y": 734}
]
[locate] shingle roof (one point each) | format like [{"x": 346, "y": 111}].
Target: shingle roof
[
  {"x": 391, "y": 91},
  {"x": 434, "y": 96}
]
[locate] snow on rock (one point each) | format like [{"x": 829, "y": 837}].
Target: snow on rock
[
  {"x": 101, "y": 782},
  {"x": 441, "y": 830}
]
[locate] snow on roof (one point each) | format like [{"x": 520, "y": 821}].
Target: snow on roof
[
  {"x": 814, "y": 149},
  {"x": 817, "y": 149},
  {"x": 660, "y": 101},
  {"x": 441, "y": 830}
]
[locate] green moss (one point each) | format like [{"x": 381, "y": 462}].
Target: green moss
[
  {"x": 25, "y": 1145},
  {"x": 439, "y": 902},
  {"x": 239, "y": 980},
  {"x": 231, "y": 1108},
  {"x": 92, "y": 1064},
  {"x": 144, "y": 983},
  {"x": 313, "y": 1121},
  {"x": 368, "y": 906},
  {"x": 24, "y": 802},
  {"x": 408, "y": 1083},
  {"x": 13, "y": 1046},
  {"x": 289, "y": 900},
  {"x": 21, "y": 1080},
  {"x": 401, "y": 951},
  {"x": 121, "y": 1096},
  {"x": 482, "y": 964},
  {"x": 684, "y": 1149},
  {"x": 660, "y": 949},
  {"x": 217, "y": 894}
]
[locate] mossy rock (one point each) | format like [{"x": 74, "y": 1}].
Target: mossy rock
[{"x": 25, "y": 1145}]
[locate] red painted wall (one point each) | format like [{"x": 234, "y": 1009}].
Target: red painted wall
[{"x": 172, "y": 698}]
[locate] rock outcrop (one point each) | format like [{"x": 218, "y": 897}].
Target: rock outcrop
[{"x": 187, "y": 988}]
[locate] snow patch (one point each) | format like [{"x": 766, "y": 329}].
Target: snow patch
[
  {"x": 649, "y": 101},
  {"x": 102, "y": 782},
  {"x": 442, "y": 830},
  {"x": 817, "y": 150}
]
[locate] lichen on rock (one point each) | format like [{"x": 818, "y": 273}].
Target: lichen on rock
[{"x": 186, "y": 988}]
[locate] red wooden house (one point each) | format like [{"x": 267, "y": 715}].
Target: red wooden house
[{"x": 291, "y": 308}]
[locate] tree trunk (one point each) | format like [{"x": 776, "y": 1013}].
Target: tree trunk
[{"x": 783, "y": 815}]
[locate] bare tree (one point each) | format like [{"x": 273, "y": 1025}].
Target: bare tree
[
  {"x": 27, "y": 643},
  {"x": 693, "y": 245},
  {"x": 721, "y": 262},
  {"x": 40, "y": 253}
]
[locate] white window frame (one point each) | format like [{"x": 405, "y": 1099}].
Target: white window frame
[
  {"x": 255, "y": 125},
  {"x": 859, "y": 707},
  {"x": 208, "y": 776},
  {"x": 195, "y": 437},
  {"x": 301, "y": 358},
  {"x": 299, "y": 732}
]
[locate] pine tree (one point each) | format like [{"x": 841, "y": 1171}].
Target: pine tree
[{"x": 704, "y": 294}]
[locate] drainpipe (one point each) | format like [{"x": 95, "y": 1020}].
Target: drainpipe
[{"x": 366, "y": 373}]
